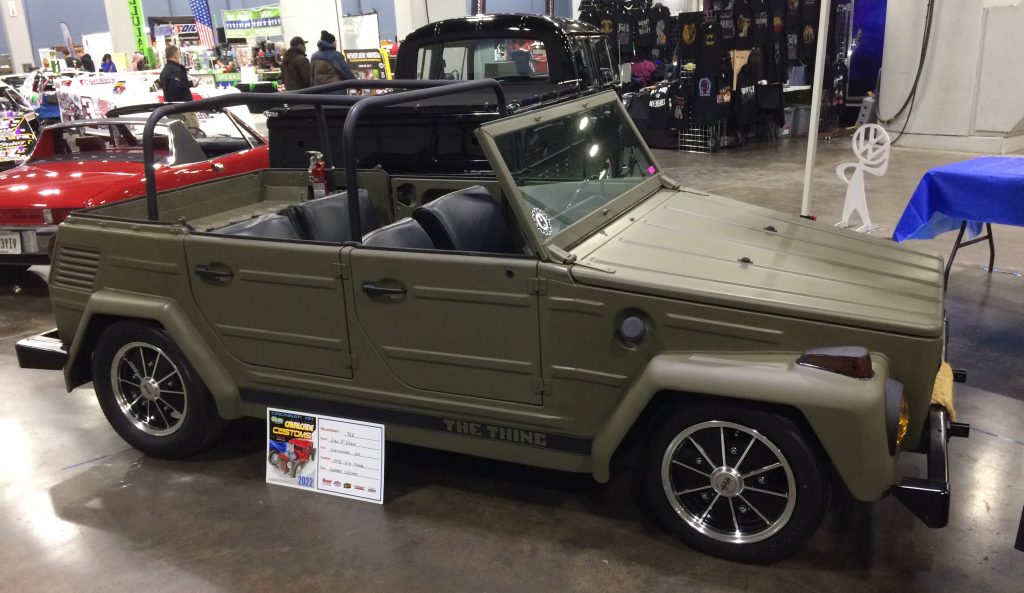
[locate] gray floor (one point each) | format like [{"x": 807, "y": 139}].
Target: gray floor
[{"x": 80, "y": 511}]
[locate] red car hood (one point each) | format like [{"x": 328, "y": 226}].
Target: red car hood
[{"x": 68, "y": 184}]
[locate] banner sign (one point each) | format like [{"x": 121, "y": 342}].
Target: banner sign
[
  {"x": 264, "y": 21},
  {"x": 368, "y": 64},
  {"x": 163, "y": 30},
  {"x": 328, "y": 455},
  {"x": 138, "y": 26}
]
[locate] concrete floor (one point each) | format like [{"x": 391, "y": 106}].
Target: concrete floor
[{"x": 80, "y": 511}]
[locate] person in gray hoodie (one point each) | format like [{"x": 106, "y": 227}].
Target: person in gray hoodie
[{"x": 327, "y": 64}]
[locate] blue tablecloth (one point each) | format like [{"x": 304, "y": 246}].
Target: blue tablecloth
[{"x": 988, "y": 189}]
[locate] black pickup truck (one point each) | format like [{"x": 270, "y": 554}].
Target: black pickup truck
[{"x": 538, "y": 60}]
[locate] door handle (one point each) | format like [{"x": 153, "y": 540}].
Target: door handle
[
  {"x": 375, "y": 290},
  {"x": 217, "y": 166},
  {"x": 214, "y": 271}
]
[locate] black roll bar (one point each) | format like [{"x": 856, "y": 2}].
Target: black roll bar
[{"x": 318, "y": 97}]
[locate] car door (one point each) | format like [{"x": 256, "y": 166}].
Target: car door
[
  {"x": 273, "y": 304},
  {"x": 451, "y": 322}
]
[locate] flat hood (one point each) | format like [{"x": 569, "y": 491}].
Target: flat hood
[
  {"x": 62, "y": 184},
  {"x": 695, "y": 247}
]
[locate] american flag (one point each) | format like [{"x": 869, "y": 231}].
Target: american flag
[{"x": 204, "y": 23}]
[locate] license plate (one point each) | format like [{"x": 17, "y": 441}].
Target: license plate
[{"x": 10, "y": 243}]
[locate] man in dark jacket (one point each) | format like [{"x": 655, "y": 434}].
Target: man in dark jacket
[
  {"x": 174, "y": 77},
  {"x": 327, "y": 64},
  {"x": 295, "y": 67}
]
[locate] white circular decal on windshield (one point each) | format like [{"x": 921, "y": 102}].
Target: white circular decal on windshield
[{"x": 542, "y": 221}]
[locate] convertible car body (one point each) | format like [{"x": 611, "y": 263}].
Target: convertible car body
[
  {"x": 93, "y": 162},
  {"x": 574, "y": 306}
]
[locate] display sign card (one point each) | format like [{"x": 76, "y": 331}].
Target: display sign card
[{"x": 325, "y": 454}]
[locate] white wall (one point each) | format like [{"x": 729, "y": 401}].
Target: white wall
[
  {"x": 16, "y": 33},
  {"x": 970, "y": 89},
  {"x": 306, "y": 18}
]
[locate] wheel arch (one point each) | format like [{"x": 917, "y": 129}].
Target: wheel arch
[
  {"x": 844, "y": 417},
  {"x": 106, "y": 308}
]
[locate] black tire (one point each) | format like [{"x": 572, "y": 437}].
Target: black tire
[
  {"x": 731, "y": 510},
  {"x": 148, "y": 421}
]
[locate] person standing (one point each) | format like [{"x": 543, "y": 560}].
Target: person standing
[
  {"x": 327, "y": 64},
  {"x": 69, "y": 61},
  {"x": 107, "y": 64},
  {"x": 174, "y": 77},
  {"x": 295, "y": 68}
]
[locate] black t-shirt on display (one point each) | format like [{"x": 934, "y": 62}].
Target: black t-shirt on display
[
  {"x": 624, "y": 36},
  {"x": 727, "y": 26},
  {"x": 660, "y": 16},
  {"x": 591, "y": 17},
  {"x": 606, "y": 22},
  {"x": 643, "y": 34},
  {"x": 705, "y": 98},
  {"x": 680, "y": 96},
  {"x": 809, "y": 10},
  {"x": 744, "y": 25},
  {"x": 744, "y": 98},
  {"x": 689, "y": 37},
  {"x": 762, "y": 22},
  {"x": 709, "y": 46}
]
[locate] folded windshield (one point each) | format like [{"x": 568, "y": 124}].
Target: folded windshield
[{"x": 571, "y": 166}]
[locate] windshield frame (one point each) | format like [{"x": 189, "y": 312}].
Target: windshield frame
[{"x": 577, "y": 232}]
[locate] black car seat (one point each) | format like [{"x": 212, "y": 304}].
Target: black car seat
[
  {"x": 404, "y": 234},
  {"x": 466, "y": 220},
  {"x": 326, "y": 219},
  {"x": 276, "y": 226}
]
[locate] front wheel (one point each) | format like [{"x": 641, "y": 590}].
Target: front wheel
[
  {"x": 150, "y": 393},
  {"x": 737, "y": 483}
]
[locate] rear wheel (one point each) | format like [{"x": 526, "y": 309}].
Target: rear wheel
[
  {"x": 150, "y": 393},
  {"x": 736, "y": 483}
]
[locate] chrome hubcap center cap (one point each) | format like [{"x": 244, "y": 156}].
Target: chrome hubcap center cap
[
  {"x": 150, "y": 389},
  {"x": 727, "y": 482}
]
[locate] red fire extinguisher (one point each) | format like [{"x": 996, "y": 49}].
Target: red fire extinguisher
[{"x": 317, "y": 176}]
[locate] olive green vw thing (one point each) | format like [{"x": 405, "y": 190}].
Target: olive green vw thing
[{"x": 570, "y": 305}]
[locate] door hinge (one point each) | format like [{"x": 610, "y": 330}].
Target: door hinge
[
  {"x": 541, "y": 386},
  {"x": 342, "y": 271},
  {"x": 538, "y": 286}
]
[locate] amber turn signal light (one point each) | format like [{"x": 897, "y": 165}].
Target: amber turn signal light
[{"x": 852, "y": 361}]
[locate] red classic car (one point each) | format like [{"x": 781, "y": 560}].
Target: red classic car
[{"x": 91, "y": 162}]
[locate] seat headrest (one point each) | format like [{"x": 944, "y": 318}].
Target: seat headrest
[
  {"x": 404, "y": 234},
  {"x": 466, "y": 220},
  {"x": 326, "y": 219}
]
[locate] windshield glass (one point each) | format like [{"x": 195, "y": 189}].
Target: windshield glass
[
  {"x": 571, "y": 166},
  {"x": 476, "y": 59}
]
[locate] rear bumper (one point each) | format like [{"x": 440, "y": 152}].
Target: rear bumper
[
  {"x": 44, "y": 351},
  {"x": 928, "y": 498},
  {"x": 35, "y": 245}
]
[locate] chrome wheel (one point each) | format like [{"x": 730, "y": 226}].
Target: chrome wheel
[
  {"x": 148, "y": 388},
  {"x": 728, "y": 482}
]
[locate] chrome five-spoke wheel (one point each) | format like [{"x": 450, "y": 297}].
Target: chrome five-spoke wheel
[
  {"x": 728, "y": 481},
  {"x": 149, "y": 389}
]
